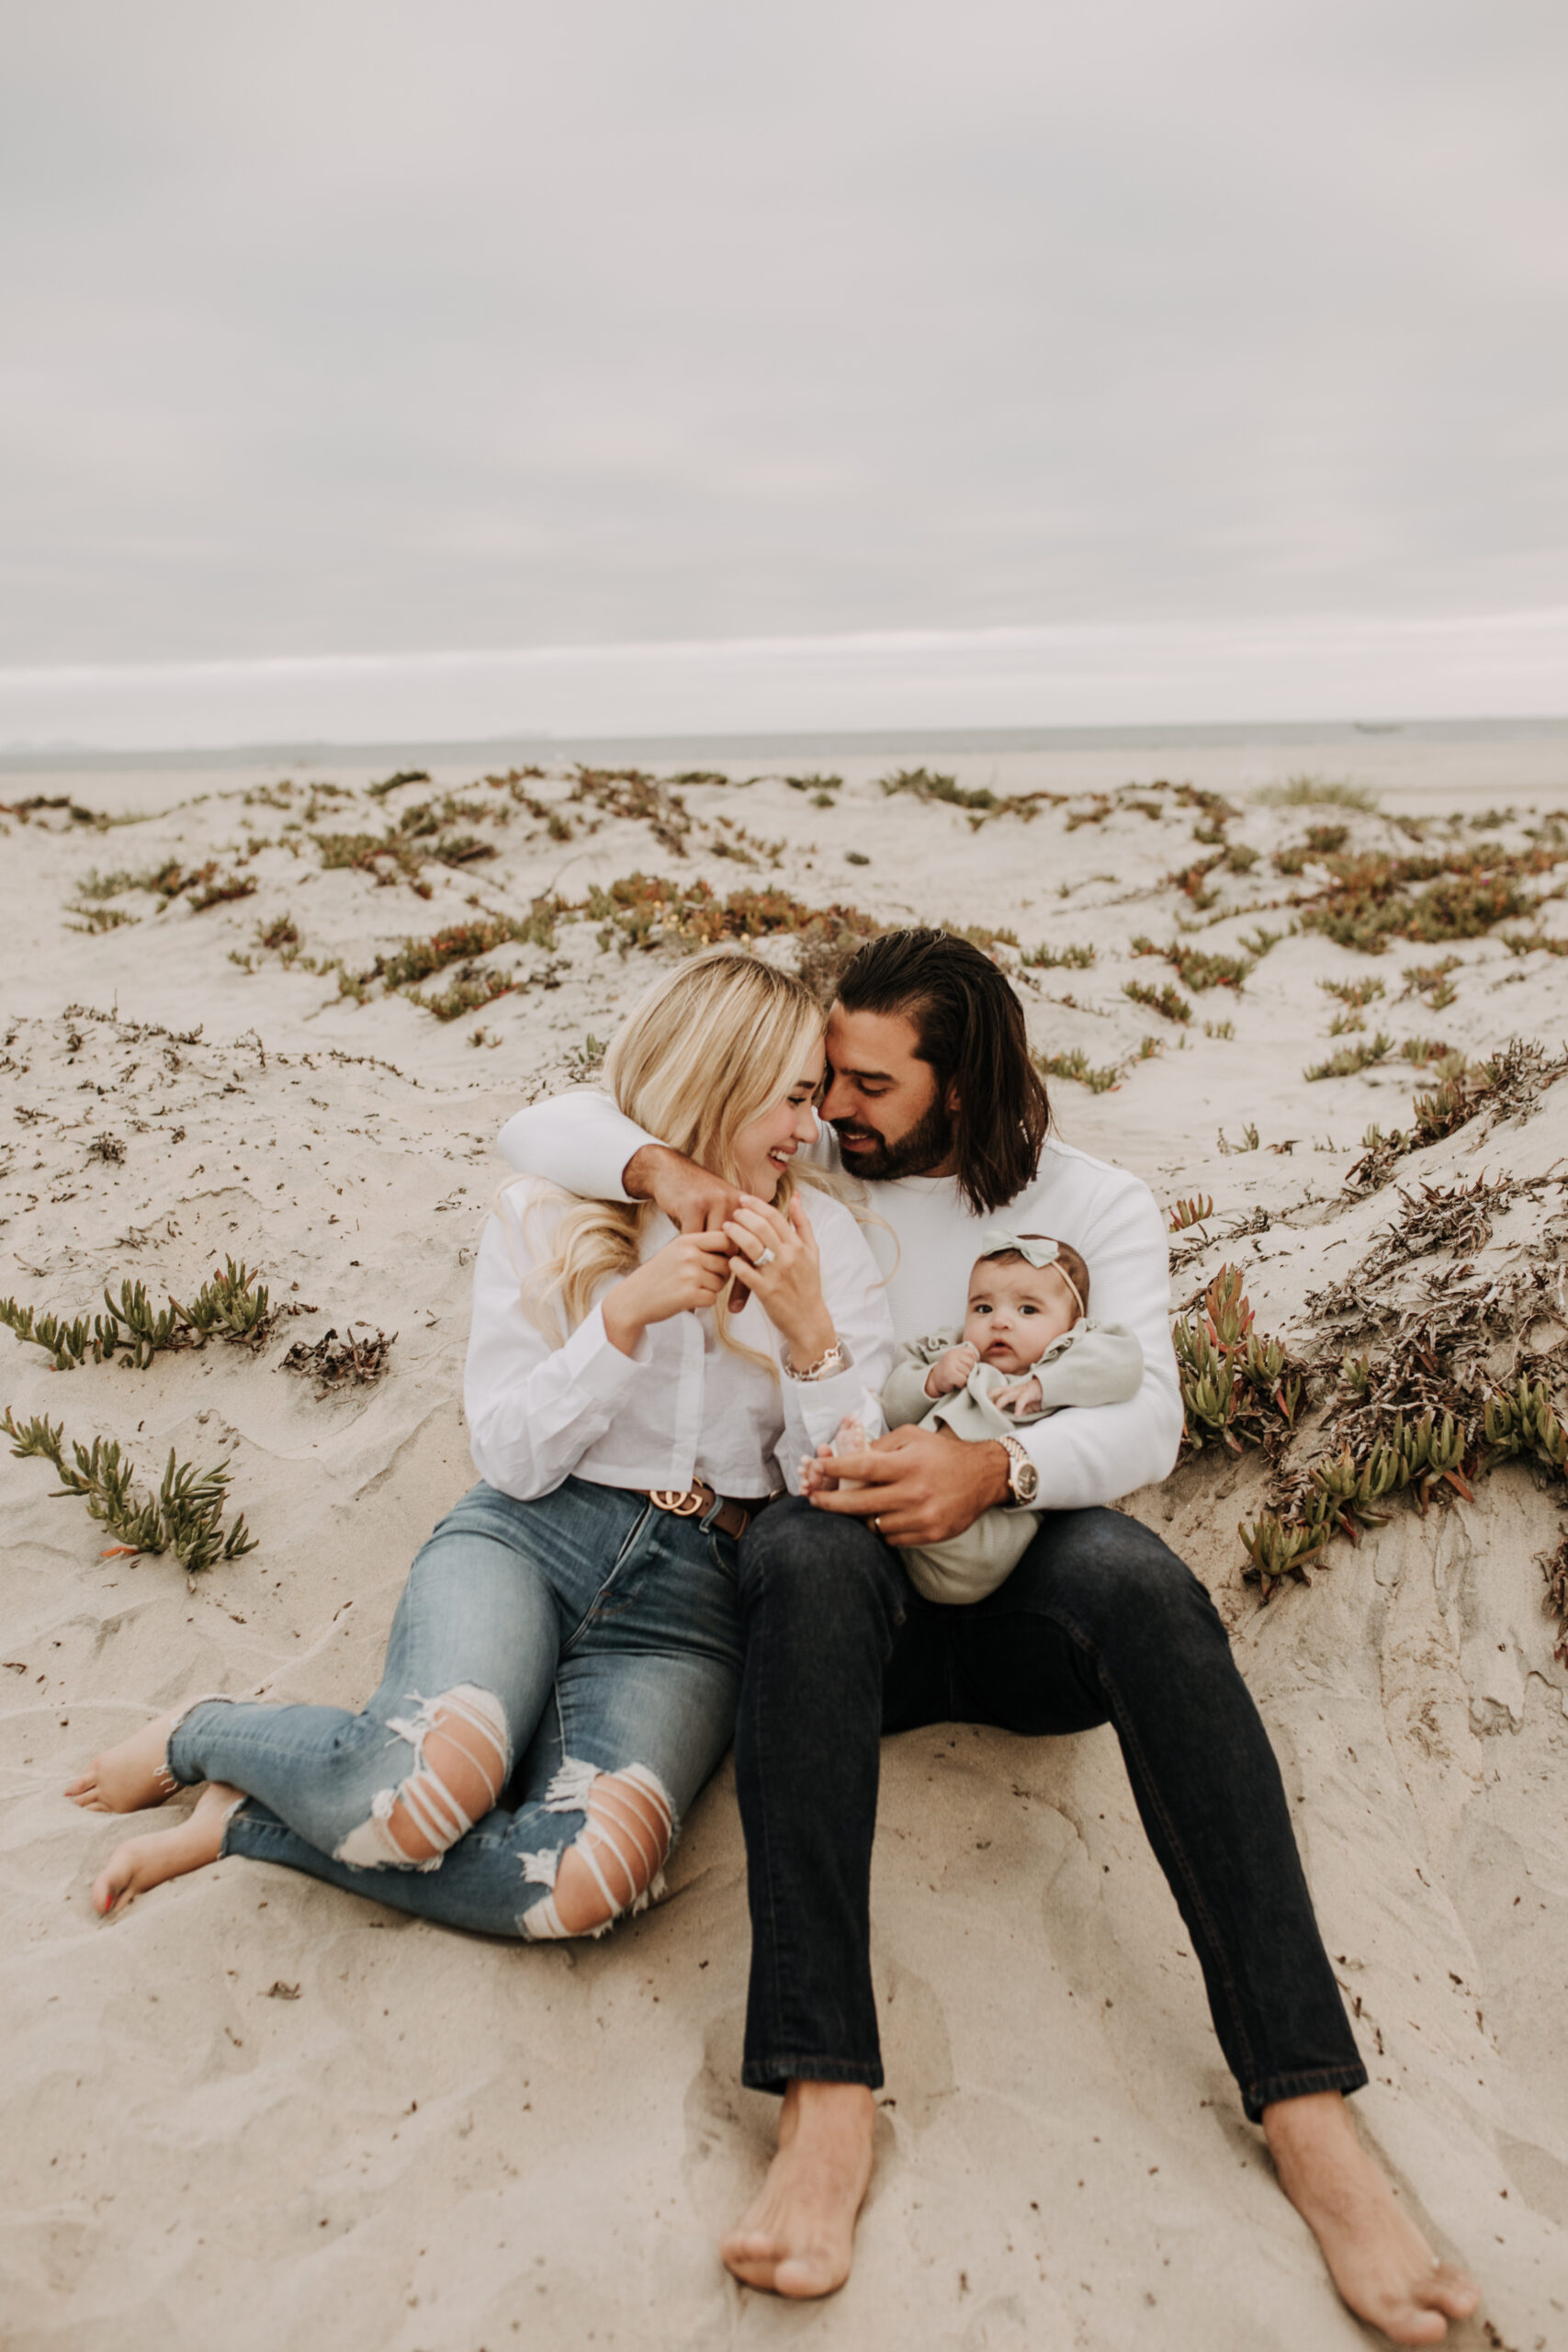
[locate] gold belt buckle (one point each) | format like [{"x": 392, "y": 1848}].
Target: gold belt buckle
[{"x": 684, "y": 1506}]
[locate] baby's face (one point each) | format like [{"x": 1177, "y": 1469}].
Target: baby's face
[{"x": 1015, "y": 1312}]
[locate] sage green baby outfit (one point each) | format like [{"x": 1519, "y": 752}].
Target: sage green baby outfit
[{"x": 1094, "y": 1363}]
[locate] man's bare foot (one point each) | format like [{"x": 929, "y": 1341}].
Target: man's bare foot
[
  {"x": 143, "y": 1862},
  {"x": 797, "y": 2236},
  {"x": 1376, "y": 2255},
  {"x": 130, "y": 1778}
]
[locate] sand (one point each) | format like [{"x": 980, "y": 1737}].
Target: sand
[{"x": 257, "y": 2111}]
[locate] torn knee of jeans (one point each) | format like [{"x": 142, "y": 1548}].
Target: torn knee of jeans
[
  {"x": 462, "y": 1756},
  {"x": 614, "y": 1864}
]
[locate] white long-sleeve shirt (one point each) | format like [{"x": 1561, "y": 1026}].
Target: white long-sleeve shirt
[
  {"x": 1086, "y": 1454},
  {"x": 684, "y": 1406}
]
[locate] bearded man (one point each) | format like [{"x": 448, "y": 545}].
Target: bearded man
[{"x": 933, "y": 1102}]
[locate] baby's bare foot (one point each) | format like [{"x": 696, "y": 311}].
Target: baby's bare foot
[
  {"x": 1376, "y": 2256},
  {"x": 143, "y": 1863},
  {"x": 130, "y": 1778},
  {"x": 850, "y": 1436}
]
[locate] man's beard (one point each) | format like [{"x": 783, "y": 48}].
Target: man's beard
[{"x": 928, "y": 1143}]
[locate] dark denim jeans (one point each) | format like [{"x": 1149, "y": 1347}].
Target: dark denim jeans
[{"x": 1099, "y": 1623}]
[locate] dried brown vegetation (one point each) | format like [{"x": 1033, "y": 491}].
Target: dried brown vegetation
[
  {"x": 1458, "y": 1371},
  {"x": 1373, "y": 897},
  {"x": 1506, "y": 1086},
  {"x": 352, "y": 1360}
]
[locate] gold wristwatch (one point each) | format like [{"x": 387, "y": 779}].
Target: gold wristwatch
[{"x": 1023, "y": 1478}]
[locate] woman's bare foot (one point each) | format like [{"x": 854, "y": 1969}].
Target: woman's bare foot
[
  {"x": 143, "y": 1862},
  {"x": 130, "y": 1778},
  {"x": 797, "y": 2236},
  {"x": 1376, "y": 2255}
]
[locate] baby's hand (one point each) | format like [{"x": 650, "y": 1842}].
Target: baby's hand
[
  {"x": 1022, "y": 1396},
  {"x": 952, "y": 1370}
]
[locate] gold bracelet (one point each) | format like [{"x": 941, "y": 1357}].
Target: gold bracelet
[{"x": 834, "y": 1359}]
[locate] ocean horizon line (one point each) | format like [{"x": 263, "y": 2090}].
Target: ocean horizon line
[
  {"x": 1454, "y": 669},
  {"x": 22, "y": 756}
]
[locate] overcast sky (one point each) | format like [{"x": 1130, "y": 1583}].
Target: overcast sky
[{"x": 360, "y": 328}]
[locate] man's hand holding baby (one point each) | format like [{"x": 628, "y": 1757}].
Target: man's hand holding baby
[{"x": 917, "y": 1485}]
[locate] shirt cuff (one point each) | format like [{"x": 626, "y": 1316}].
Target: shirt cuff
[
  {"x": 1036, "y": 1442},
  {"x": 596, "y": 1365},
  {"x": 823, "y": 1404}
]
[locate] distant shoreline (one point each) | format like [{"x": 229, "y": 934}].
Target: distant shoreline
[{"x": 1308, "y": 734}]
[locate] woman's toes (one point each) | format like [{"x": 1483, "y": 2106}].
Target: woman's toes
[
  {"x": 115, "y": 1879},
  {"x": 143, "y": 1863},
  {"x": 130, "y": 1777}
]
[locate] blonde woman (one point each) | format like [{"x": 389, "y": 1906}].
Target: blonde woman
[{"x": 564, "y": 1664}]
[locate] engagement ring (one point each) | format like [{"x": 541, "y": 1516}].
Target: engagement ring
[{"x": 766, "y": 1258}]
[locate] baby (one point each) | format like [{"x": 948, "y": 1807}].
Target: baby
[{"x": 1027, "y": 1349}]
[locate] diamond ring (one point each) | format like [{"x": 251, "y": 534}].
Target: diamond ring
[{"x": 766, "y": 1258}]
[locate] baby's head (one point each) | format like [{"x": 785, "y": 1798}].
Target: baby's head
[{"x": 1016, "y": 1310}]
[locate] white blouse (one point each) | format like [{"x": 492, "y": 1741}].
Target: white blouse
[{"x": 683, "y": 1407}]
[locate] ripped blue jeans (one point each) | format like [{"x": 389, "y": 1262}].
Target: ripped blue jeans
[{"x": 542, "y": 1645}]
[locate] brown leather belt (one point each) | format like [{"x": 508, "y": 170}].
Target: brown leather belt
[{"x": 732, "y": 1518}]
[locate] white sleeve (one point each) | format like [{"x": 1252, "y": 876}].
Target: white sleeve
[
  {"x": 578, "y": 1140},
  {"x": 1096, "y": 1453},
  {"x": 534, "y": 1410},
  {"x": 857, "y": 1300}
]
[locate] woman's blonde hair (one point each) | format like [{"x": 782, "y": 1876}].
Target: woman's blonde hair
[{"x": 705, "y": 1052}]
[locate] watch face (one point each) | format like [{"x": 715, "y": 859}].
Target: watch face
[{"x": 1025, "y": 1481}]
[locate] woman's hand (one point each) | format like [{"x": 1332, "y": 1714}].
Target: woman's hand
[
  {"x": 683, "y": 1277},
  {"x": 790, "y": 1284}
]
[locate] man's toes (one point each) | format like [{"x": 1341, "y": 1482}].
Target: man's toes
[
  {"x": 807, "y": 2275},
  {"x": 753, "y": 2270},
  {"x": 1452, "y": 2292},
  {"x": 750, "y": 2272},
  {"x": 753, "y": 2255}
]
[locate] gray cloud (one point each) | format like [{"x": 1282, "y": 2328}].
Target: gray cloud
[{"x": 369, "y": 327}]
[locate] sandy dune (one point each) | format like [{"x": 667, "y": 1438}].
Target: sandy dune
[{"x": 255, "y": 2111}]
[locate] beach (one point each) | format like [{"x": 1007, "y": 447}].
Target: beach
[{"x": 269, "y": 1017}]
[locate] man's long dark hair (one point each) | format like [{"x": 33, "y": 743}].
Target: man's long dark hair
[{"x": 972, "y": 1032}]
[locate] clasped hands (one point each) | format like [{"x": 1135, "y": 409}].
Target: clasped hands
[
  {"x": 726, "y": 1236},
  {"x": 917, "y": 1486}
]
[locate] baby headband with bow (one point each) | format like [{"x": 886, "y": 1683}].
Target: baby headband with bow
[{"x": 995, "y": 1240}]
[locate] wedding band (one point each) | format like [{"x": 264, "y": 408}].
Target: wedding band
[
  {"x": 766, "y": 1258},
  {"x": 876, "y": 1520}
]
